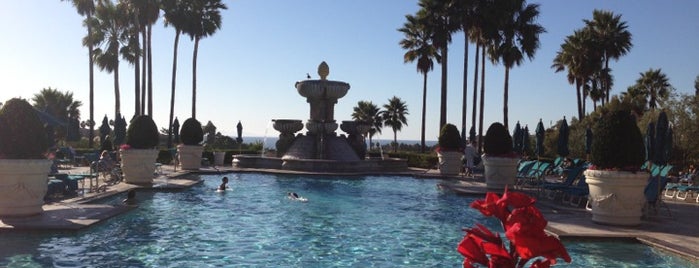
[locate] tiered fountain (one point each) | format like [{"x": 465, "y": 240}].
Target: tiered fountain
[{"x": 321, "y": 149}]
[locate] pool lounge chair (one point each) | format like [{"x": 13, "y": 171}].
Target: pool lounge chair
[
  {"x": 687, "y": 191},
  {"x": 552, "y": 189}
]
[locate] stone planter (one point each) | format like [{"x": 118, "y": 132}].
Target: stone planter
[
  {"x": 218, "y": 158},
  {"x": 23, "y": 184},
  {"x": 616, "y": 197},
  {"x": 138, "y": 165},
  {"x": 449, "y": 163},
  {"x": 500, "y": 172},
  {"x": 190, "y": 156}
]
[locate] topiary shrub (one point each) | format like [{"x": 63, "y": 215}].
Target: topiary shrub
[
  {"x": 449, "y": 139},
  {"x": 497, "y": 141},
  {"x": 142, "y": 133},
  {"x": 22, "y": 134},
  {"x": 191, "y": 132},
  {"x": 618, "y": 143}
]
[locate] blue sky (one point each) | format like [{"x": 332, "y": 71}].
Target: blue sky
[{"x": 247, "y": 70}]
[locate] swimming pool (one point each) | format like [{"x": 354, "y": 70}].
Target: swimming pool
[{"x": 347, "y": 222}]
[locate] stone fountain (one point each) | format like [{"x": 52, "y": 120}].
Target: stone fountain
[{"x": 320, "y": 149}]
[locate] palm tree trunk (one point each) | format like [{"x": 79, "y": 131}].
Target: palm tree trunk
[
  {"x": 475, "y": 86},
  {"x": 424, "y": 110},
  {"x": 194, "y": 78},
  {"x": 150, "y": 72},
  {"x": 584, "y": 103},
  {"x": 117, "y": 97},
  {"x": 480, "y": 115},
  {"x": 443, "y": 99},
  {"x": 144, "y": 54},
  {"x": 577, "y": 89},
  {"x": 395, "y": 140},
  {"x": 505, "y": 97},
  {"x": 90, "y": 49},
  {"x": 137, "y": 82},
  {"x": 172, "y": 89},
  {"x": 607, "y": 88},
  {"x": 465, "y": 97}
]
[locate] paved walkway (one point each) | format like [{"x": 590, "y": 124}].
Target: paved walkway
[{"x": 678, "y": 233}]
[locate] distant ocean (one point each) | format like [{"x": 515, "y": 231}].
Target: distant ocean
[{"x": 269, "y": 142}]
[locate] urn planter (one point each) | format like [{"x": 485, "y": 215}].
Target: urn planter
[
  {"x": 616, "y": 197},
  {"x": 499, "y": 172},
  {"x": 23, "y": 184},
  {"x": 449, "y": 162},
  {"x": 138, "y": 165},
  {"x": 190, "y": 156}
]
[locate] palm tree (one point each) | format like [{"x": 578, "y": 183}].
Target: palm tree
[
  {"x": 132, "y": 54},
  {"x": 368, "y": 112},
  {"x": 58, "y": 104},
  {"x": 439, "y": 16},
  {"x": 205, "y": 19},
  {"x": 419, "y": 48},
  {"x": 393, "y": 115},
  {"x": 484, "y": 34},
  {"x": 580, "y": 56},
  {"x": 518, "y": 36},
  {"x": 87, "y": 8},
  {"x": 466, "y": 15},
  {"x": 175, "y": 13},
  {"x": 110, "y": 25},
  {"x": 144, "y": 14},
  {"x": 612, "y": 36},
  {"x": 655, "y": 86}
]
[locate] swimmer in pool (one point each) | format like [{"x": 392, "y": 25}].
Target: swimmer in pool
[
  {"x": 130, "y": 198},
  {"x": 223, "y": 186}
]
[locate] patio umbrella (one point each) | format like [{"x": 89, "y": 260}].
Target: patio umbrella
[
  {"x": 563, "y": 132},
  {"x": 661, "y": 127},
  {"x": 668, "y": 144},
  {"x": 239, "y": 128},
  {"x": 104, "y": 128},
  {"x": 472, "y": 134},
  {"x": 540, "y": 133},
  {"x": 525, "y": 140},
  {"x": 650, "y": 142},
  {"x": 176, "y": 130},
  {"x": 517, "y": 139},
  {"x": 119, "y": 130}
]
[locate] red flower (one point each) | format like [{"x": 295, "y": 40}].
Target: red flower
[
  {"x": 125, "y": 147},
  {"x": 524, "y": 228}
]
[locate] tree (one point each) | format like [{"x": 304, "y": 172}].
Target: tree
[
  {"x": 438, "y": 15},
  {"x": 518, "y": 37},
  {"x": 210, "y": 131},
  {"x": 580, "y": 56},
  {"x": 419, "y": 48},
  {"x": 466, "y": 15},
  {"x": 654, "y": 86},
  {"x": 612, "y": 36},
  {"x": 143, "y": 14},
  {"x": 393, "y": 115},
  {"x": 111, "y": 32},
  {"x": 696, "y": 86},
  {"x": 87, "y": 8},
  {"x": 484, "y": 34},
  {"x": 59, "y": 105},
  {"x": 368, "y": 112},
  {"x": 203, "y": 20},
  {"x": 175, "y": 13}
]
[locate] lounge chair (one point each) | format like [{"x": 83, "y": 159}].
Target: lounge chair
[
  {"x": 685, "y": 191},
  {"x": 554, "y": 188},
  {"x": 535, "y": 176}
]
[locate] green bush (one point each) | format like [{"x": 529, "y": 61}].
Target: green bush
[
  {"x": 417, "y": 160},
  {"x": 497, "y": 140},
  {"x": 22, "y": 134},
  {"x": 142, "y": 133},
  {"x": 449, "y": 138},
  {"x": 191, "y": 132},
  {"x": 617, "y": 142}
]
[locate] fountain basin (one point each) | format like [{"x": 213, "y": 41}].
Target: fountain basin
[
  {"x": 318, "y": 127},
  {"x": 322, "y": 89},
  {"x": 287, "y": 125}
]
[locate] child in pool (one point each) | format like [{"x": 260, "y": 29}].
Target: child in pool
[
  {"x": 223, "y": 186},
  {"x": 130, "y": 198}
]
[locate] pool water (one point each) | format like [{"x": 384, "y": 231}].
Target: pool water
[{"x": 347, "y": 222}]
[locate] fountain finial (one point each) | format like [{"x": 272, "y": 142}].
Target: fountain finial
[{"x": 323, "y": 70}]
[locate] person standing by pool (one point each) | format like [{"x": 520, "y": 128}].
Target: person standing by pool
[{"x": 224, "y": 184}]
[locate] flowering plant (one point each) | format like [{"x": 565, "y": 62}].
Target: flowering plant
[
  {"x": 125, "y": 147},
  {"x": 524, "y": 228}
]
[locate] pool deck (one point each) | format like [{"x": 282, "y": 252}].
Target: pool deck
[{"x": 677, "y": 231}]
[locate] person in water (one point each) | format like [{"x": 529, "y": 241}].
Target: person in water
[
  {"x": 293, "y": 195},
  {"x": 224, "y": 183},
  {"x": 130, "y": 198}
]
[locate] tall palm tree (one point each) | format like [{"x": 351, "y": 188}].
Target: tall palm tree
[
  {"x": 175, "y": 13},
  {"x": 579, "y": 54},
  {"x": 205, "y": 19},
  {"x": 484, "y": 34},
  {"x": 393, "y": 115},
  {"x": 132, "y": 52},
  {"x": 613, "y": 37},
  {"x": 111, "y": 32},
  {"x": 467, "y": 17},
  {"x": 439, "y": 16},
  {"x": 656, "y": 87},
  {"x": 518, "y": 37},
  {"x": 87, "y": 8},
  {"x": 367, "y": 111},
  {"x": 419, "y": 48},
  {"x": 60, "y": 105}
]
